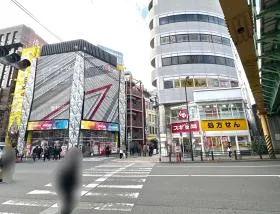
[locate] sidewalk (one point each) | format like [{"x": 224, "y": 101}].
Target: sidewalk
[{"x": 197, "y": 159}]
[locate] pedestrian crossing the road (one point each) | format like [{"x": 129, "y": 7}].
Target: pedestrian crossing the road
[{"x": 110, "y": 188}]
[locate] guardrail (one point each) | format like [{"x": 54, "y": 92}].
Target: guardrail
[{"x": 199, "y": 155}]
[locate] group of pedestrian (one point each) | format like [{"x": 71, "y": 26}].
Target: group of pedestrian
[{"x": 48, "y": 153}]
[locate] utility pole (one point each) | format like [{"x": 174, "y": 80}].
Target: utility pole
[{"x": 189, "y": 124}]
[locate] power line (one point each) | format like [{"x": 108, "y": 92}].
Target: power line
[
  {"x": 56, "y": 36},
  {"x": 35, "y": 19}
]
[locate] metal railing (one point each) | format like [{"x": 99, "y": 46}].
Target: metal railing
[{"x": 234, "y": 155}]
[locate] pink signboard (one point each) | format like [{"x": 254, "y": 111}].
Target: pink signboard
[{"x": 184, "y": 127}]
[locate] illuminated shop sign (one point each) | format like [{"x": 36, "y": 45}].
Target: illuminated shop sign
[
  {"x": 47, "y": 125},
  {"x": 101, "y": 126},
  {"x": 184, "y": 127}
]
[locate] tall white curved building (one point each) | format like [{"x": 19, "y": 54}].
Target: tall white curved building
[{"x": 189, "y": 38}]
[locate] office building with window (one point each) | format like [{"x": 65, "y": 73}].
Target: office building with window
[
  {"x": 190, "y": 49},
  {"x": 14, "y": 38}
]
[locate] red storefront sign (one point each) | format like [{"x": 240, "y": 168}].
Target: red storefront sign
[
  {"x": 182, "y": 115},
  {"x": 184, "y": 127}
]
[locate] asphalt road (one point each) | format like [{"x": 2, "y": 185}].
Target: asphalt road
[{"x": 129, "y": 186}]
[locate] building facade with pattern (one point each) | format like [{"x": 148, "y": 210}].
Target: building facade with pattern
[{"x": 71, "y": 97}]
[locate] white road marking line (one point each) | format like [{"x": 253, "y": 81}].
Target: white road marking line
[
  {"x": 214, "y": 175},
  {"x": 90, "y": 175},
  {"x": 130, "y": 176},
  {"x": 41, "y": 192},
  {"x": 50, "y": 185},
  {"x": 31, "y": 203},
  {"x": 122, "y": 186},
  {"x": 125, "y": 195},
  {"x": 51, "y": 210},
  {"x": 92, "y": 185},
  {"x": 211, "y": 166},
  {"x": 8, "y": 213},
  {"x": 87, "y": 188},
  {"x": 101, "y": 179},
  {"x": 124, "y": 207},
  {"x": 140, "y": 180}
]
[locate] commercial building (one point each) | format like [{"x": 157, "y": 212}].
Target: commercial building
[
  {"x": 14, "y": 38},
  {"x": 191, "y": 50},
  {"x": 135, "y": 116},
  {"x": 151, "y": 117},
  {"x": 71, "y": 97}
]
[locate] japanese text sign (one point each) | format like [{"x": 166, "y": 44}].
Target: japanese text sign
[
  {"x": 223, "y": 125},
  {"x": 184, "y": 127}
]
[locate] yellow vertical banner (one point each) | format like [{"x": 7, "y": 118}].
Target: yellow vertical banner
[{"x": 22, "y": 78}]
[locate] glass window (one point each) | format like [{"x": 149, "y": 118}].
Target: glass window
[
  {"x": 229, "y": 62},
  {"x": 171, "y": 19},
  {"x": 237, "y": 110},
  {"x": 166, "y": 61},
  {"x": 172, "y": 39},
  {"x": 224, "y": 84},
  {"x": 194, "y": 37},
  {"x": 224, "y": 111},
  {"x": 211, "y": 19},
  {"x": 200, "y": 83},
  {"x": 174, "y": 60},
  {"x": 177, "y": 83},
  {"x": 182, "y": 37},
  {"x": 220, "y": 60},
  {"x": 194, "y": 59},
  {"x": 168, "y": 84},
  {"x": 7, "y": 38},
  {"x": 205, "y": 38},
  {"x": 192, "y": 17},
  {"x": 163, "y": 20},
  {"x": 234, "y": 84},
  {"x": 14, "y": 37},
  {"x": 181, "y": 18},
  {"x": 151, "y": 25},
  {"x": 209, "y": 59},
  {"x": 216, "y": 20},
  {"x": 217, "y": 39},
  {"x": 221, "y": 22},
  {"x": 213, "y": 83},
  {"x": 1, "y": 39},
  {"x": 225, "y": 41},
  {"x": 187, "y": 82},
  {"x": 202, "y": 18},
  {"x": 183, "y": 59},
  {"x": 208, "y": 111},
  {"x": 164, "y": 40}
]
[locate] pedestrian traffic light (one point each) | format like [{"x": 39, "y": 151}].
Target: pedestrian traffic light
[{"x": 13, "y": 59}]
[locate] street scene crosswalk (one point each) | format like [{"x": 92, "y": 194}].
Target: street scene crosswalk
[{"x": 109, "y": 187}]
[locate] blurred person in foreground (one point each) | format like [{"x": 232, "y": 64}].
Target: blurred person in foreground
[
  {"x": 68, "y": 180},
  {"x": 7, "y": 164}
]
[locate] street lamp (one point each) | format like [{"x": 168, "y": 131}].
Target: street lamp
[
  {"x": 187, "y": 104},
  {"x": 156, "y": 106}
]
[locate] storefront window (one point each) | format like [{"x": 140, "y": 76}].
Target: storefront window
[
  {"x": 168, "y": 84},
  {"x": 200, "y": 83},
  {"x": 237, "y": 110},
  {"x": 187, "y": 82},
  {"x": 224, "y": 84},
  {"x": 213, "y": 83},
  {"x": 243, "y": 142},
  {"x": 177, "y": 83}
]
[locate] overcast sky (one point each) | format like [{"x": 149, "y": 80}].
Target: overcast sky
[{"x": 117, "y": 24}]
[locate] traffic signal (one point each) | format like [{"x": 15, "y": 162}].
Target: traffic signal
[{"x": 13, "y": 59}]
